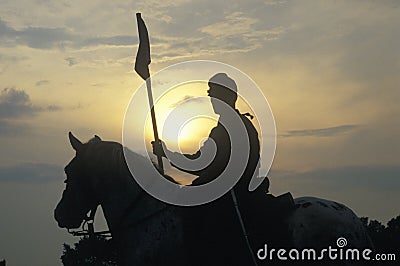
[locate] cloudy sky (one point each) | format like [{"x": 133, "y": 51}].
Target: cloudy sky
[{"x": 329, "y": 69}]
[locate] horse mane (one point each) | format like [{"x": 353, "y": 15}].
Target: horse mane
[{"x": 111, "y": 155}]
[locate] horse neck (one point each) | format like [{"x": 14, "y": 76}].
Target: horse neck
[
  {"x": 126, "y": 203},
  {"x": 119, "y": 194}
]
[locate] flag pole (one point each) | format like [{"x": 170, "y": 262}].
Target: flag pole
[
  {"x": 142, "y": 68},
  {"x": 154, "y": 122}
]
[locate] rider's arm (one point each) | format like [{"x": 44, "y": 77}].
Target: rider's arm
[
  {"x": 189, "y": 163},
  {"x": 188, "y": 156}
]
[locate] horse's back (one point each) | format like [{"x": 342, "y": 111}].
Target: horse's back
[{"x": 320, "y": 223}]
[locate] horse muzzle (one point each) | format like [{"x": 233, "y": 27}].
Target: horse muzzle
[{"x": 66, "y": 221}]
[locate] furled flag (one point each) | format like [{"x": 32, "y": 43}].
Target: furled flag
[{"x": 143, "y": 54}]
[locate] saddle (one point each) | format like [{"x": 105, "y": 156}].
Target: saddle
[
  {"x": 213, "y": 227},
  {"x": 265, "y": 219}
]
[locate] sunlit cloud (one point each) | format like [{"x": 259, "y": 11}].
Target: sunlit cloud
[
  {"x": 187, "y": 100},
  {"x": 321, "y": 132},
  {"x": 237, "y": 24}
]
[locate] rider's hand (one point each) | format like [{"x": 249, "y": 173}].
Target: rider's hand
[{"x": 158, "y": 148}]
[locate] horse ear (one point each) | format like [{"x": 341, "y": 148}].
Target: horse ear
[
  {"x": 97, "y": 138},
  {"x": 75, "y": 143}
]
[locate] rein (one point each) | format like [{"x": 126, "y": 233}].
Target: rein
[
  {"x": 87, "y": 228},
  {"x": 242, "y": 226}
]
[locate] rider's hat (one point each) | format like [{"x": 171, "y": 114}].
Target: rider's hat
[{"x": 222, "y": 87}]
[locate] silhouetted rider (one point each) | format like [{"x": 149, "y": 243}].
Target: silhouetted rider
[
  {"x": 202, "y": 221},
  {"x": 222, "y": 88}
]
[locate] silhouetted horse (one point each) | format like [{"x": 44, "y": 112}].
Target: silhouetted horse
[{"x": 151, "y": 233}]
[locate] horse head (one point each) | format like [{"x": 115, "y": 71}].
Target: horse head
[{"x": 79, "y": 195}]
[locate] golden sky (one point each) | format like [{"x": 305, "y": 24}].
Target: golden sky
[{"x": 329, "y": 69}]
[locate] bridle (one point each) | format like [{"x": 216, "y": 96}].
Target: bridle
[{"x": 87, "y": 228}]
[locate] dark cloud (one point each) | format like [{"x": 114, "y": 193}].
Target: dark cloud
[
  {"x": 15, "y": 105},
  {"x": 35, "y": 37},
  {"x": 43, "y": 38},
  {"x": 31, "y": 172},
  {"x": 119, "y": 40},
  {"x": 186, "y": 100},
  {"x": 320, "y": 132},
  {"x": 48, "y": 38},
  {"x": 5, "y": 30}
]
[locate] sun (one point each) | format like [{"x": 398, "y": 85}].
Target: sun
[{"x": 184, "y": 117}]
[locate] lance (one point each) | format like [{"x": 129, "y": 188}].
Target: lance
[{"x": 142, "y": 68}]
